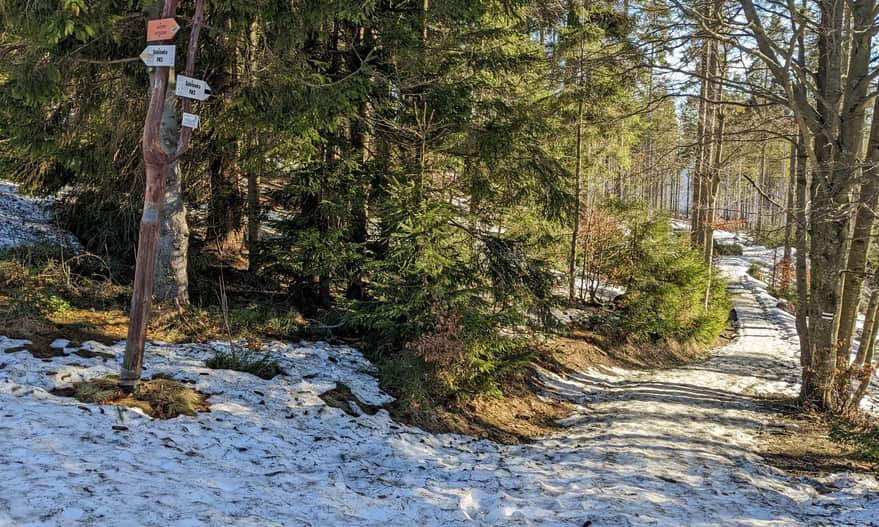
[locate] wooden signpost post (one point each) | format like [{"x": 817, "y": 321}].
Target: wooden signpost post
[{"x": 157, "y": 160}]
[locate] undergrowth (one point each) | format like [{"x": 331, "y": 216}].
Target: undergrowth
[
  {"x": 47, "y": 294},
  {"x": 756, "y": 271},
  {"x": 727, "y": 249},
  {"x": 671, "y": 294},
  {"x": 864, "y": 439}
]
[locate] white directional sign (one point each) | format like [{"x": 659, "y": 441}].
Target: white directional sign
[
  {"x": 159, "y": 56},
  {"x": 190, "y": 120},
  {"x": 192, "y": 88}
]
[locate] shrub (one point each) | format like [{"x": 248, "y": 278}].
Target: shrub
[
  {"x": 246, "y": 360},
  {"x": 666, "y": 284},
  {"x": 756, "y": 270},
  {"x": 446, "y": 301},
  {"x": 727, "y": 249}
]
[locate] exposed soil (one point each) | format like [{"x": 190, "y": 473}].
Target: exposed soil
[
  {"x": 521, "y": 416},
  {"x": 800, "y": 443},
  {"x": 584, "y": 349},
  {"x": 343, "y": 398}
]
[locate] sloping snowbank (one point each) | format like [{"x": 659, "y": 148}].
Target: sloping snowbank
[{"x": 27, "y": 220}]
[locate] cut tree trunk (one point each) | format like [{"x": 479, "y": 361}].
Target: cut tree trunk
[
  {"x": 171, "y": 283},
  {"x": 157, "y": 162}
]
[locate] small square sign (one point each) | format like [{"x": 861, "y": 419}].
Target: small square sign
[{"x": 190, "y": 120}]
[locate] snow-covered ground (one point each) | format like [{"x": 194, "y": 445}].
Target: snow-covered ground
[
  {"x": 667, "y": 448},
  {"x": 27, "y": 220}
]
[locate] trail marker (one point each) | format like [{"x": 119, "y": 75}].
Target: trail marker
[
  {"x": 159, "y": 56},
  {"x": 190, "y": 120},
  {"x": 192, "y": 88},
  {"x": 162, "y": 29}
]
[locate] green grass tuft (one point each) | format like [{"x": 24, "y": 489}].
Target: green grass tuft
[{"x": 246, "y": 360}]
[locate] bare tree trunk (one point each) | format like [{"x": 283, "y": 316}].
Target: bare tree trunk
[
  {"x": 863, "y": 363},
  {"x": 578, "y": 177},
  {"x": 714, "y": 185},
  {"x": 802, "y": 261},
  {"x": 790, "y": 217},
  {"x": 703, "y": 149},
  {"x": 253, "y": 175},
  {"x": 837, "y": 143},
  {"x": 860, "y": 245}
]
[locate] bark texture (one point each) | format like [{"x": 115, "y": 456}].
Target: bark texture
[{"x": 171, "y": 282}]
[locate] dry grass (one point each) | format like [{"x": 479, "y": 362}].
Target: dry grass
[
  {"x": 246, "y": 360},
  {"x": 159, "y": 398}
]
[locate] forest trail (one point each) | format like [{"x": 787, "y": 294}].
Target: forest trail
[
  {"x": 669, "y": 448},
  {"x": 683, "y": 439}
]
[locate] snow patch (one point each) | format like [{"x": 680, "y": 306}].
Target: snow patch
[{"x": 26, "y": 220}]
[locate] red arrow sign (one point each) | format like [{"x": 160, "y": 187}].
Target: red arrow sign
[{"x": 162, "y": 29}]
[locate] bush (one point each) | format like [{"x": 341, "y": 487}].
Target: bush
[
  {"x": 756, "y": 271},
  {"x": 246, "y": 360},
  {"x": 445, "y": 302},
  {"x": 727, "y": 249},
  {"x": 666, "y": 284}
]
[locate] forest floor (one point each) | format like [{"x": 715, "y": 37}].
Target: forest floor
[{"x": 678, "y": 446}]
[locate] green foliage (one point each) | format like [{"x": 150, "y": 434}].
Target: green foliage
[
  {"x": 865, "y": 440},
  {"x": 416, "y": 163},
  {"x": 255, "y": 319},
  {"x": 244, "y": 359},
  {"x": 757, "y": 271},
  {"x": 727, "y": 249},
  {"x": 666, "y": 284},
  {"x": 449, "y": 295}
]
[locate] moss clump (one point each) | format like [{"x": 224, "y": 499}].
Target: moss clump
[{"x": 160, "y": 398}]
